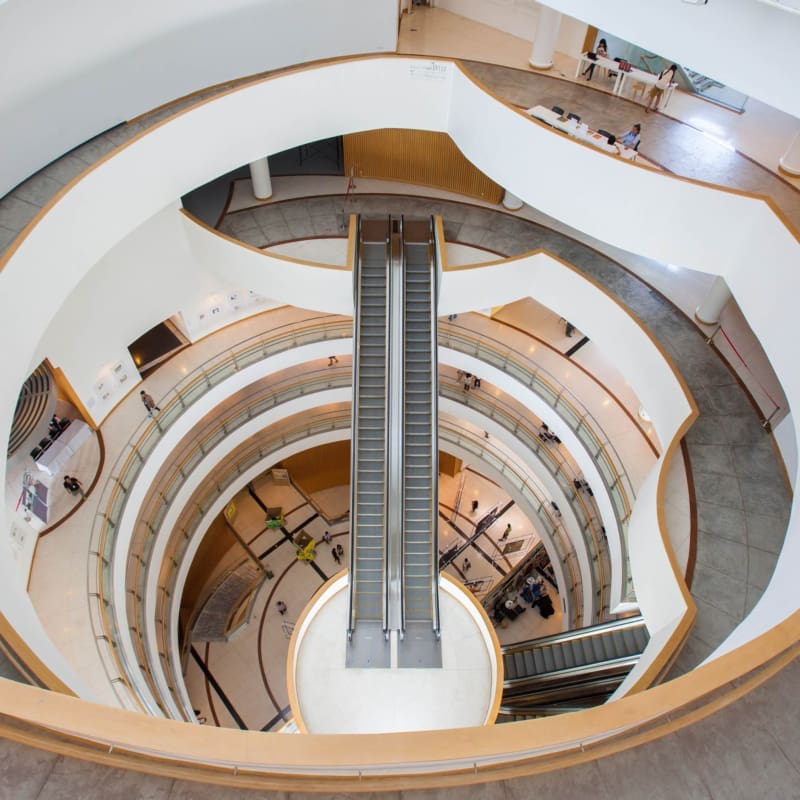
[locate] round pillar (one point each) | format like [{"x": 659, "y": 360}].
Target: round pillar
[
  {"x": 262, "y": 184},
  {"x": 709, "y": 310},
  {"x": 511, "y": 201},
  {"x": 544, "y": 42},
  {"x": 790, "y": 160}
]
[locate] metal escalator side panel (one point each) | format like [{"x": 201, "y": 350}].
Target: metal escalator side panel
[
  {"x": 395, "y": 432},
  {"x": 368, "y": 486},
  {"x": 634, "y": 623},
  {"x": 420, "y": 447}
]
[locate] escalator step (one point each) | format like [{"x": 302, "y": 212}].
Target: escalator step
[
  {"x": 539, "y": 661},
  {"x": 530, "y": 664}
]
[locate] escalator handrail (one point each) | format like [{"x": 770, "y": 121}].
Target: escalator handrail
[{"x": 574, "y": 635}]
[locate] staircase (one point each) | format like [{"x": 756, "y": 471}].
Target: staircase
[
  {"x": 214, "y": 620},
  {"x": 32, "y": 406}
]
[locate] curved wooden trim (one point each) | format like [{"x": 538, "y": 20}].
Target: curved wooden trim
[
  {"x": 588, "y": 374},
  {"x": 29, "y": 660},
  {"x": 308, "y": 66},
  {"x": 694, "y": 181},
  {"x": 247, "y": 759},
  {"x": 687, "y": 465},
  {"x": 253, "y": 249}
]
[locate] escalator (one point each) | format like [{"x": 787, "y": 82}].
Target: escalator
[
  {"x": 420, "y": 449},
  {"x": 368, "y": 493},
  {"x": 394, "y": 569},
  {"x": 569, "y": 671}
]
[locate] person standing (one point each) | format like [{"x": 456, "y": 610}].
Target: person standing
[
  {"x": 281, "y": 606},
  {"x": 326, "y": 537},
  {"x": 665, "y": 78},
  {"x": 335, "y": 554},
  {"x": 149, "y": 403}
]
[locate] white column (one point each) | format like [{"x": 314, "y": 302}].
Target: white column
[
  {"x": 259, "y": 174},
  {"x": 790, "y": 160},
  {"x": 544, "y": 42},
  {"x": 709, "y": 310},
  {"x": 511, "y": 201}
]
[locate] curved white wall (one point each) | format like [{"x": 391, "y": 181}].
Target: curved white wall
[
  {"x": 548, "y": 171},
  {"x": 72, "y": 70}
]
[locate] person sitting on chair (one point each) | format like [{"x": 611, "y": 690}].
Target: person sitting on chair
[{"x": 630, "y": 138}]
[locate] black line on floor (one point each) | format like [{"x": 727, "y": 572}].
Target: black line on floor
[
  {"x": 471, "y": 541},
  {"x": 272, "y": 548},
  {"x": 305, "y": 522},
  {"x": 574, "y": 349},
  {"x": 218, "y": 689},
  {"x": 286, "y": 535},
  {"x": 284, "y": 714}
]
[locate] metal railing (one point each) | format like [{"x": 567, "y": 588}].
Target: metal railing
[
  {"x": 214, "y": 371},
  {"x": 517, "y": 476},
  {"x": 569, "y": 409},
  {"x": 133, "y": 455},
  {"x": 587, "y": 516}
]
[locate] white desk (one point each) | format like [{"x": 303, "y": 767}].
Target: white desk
[
  {"x": 635, "y": 74},
  {"x": 605, "y": 63},
  {"x": 648, "y": 79},
  {"x": 55, "y": 458},
  {"x": 583, "y": 134}
]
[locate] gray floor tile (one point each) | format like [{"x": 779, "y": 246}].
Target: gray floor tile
[
  {"x": 724, "y": 555},
  {"x": 711, "y": 458},
  {"x": 719, "y": 590},
  {"x": 723, "y": 490},
  {"x": 761, "y": 565},
  {"x": 766, "y": 532}
]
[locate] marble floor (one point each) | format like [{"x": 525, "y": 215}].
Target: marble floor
[{"x": 243, "y": 681}]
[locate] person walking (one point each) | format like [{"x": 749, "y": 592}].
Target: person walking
[
  {"x": 73, "y": 485},
  {"x": 149, "y": 403},
  {"x": 281, "y": 606},
  {"x": 465, "y": 567},
  {"x": 335, "y": 554},
  {"x": 326, "y": 537},
  {"x": 506, "y": 533}
]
